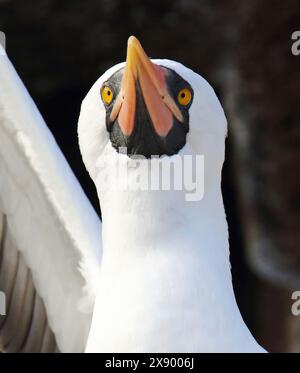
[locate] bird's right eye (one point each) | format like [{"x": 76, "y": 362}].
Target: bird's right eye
[{"x": 106, "y": 94}]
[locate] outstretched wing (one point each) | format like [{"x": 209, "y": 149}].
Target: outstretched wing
[{"x": 50, "y": 244}]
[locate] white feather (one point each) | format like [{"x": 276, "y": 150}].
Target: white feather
[{"x": 51, "y": 220}]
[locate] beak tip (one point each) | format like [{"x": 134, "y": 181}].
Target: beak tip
[{"x": 132, "y": 40}]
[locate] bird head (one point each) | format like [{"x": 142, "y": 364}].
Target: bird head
[{"x": 151, "y": 108}]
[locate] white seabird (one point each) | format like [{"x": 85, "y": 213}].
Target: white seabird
[{"x": 164, "y": 283}]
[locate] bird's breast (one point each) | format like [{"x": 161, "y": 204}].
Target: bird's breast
[{"x": 159, "y": 302}]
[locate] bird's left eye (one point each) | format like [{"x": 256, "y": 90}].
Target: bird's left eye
[
  {"x": 107, "y": 94},
  {"x": 184, "y": 96}
]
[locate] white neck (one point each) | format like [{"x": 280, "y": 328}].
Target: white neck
[
  {"x": 140, "y": 217},
  {"x": 137, "y": 223},
  {"x": 173, "y": 256}
]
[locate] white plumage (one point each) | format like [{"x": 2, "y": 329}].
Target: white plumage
[
  {"x": 165, "y": 282},
  {"x": 49, "y": 231}
]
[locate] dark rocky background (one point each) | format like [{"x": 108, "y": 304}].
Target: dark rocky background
[{"x": 243, "y": 49}]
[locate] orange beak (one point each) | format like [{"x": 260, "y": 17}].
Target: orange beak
[{"x": 152, "y": 79}]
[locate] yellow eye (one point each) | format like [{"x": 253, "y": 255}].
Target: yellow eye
[
  {"x": 184, "y": 96},
  {"x": 107, "y": 94}
]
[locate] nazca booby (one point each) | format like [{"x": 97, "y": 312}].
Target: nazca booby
[{"x": 162, "y": 282}]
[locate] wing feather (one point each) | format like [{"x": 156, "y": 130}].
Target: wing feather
[{"x": 50, "y": 236}]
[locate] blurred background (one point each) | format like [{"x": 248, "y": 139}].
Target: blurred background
[{"x": 243, "y": 48}]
